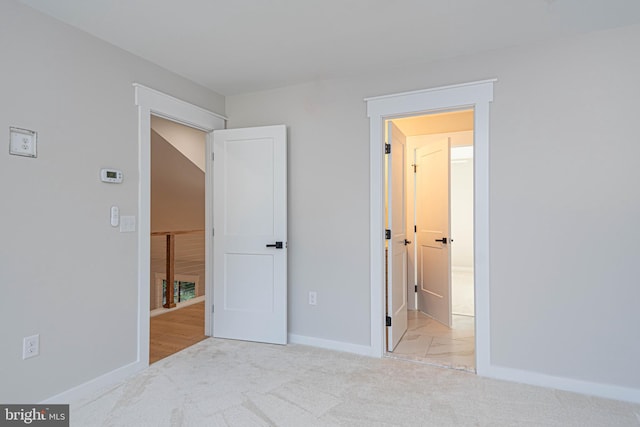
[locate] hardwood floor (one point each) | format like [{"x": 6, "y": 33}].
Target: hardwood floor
[{"x": 175, "y": 331}]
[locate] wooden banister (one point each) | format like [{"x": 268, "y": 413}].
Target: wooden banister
[
  {"x": 170, "y": 262},
  {"x": 176, "y": 232},
  {"x": 170, "y": 270}
]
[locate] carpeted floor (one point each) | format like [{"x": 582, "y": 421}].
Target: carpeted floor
[{"x": 233, "y": 383}]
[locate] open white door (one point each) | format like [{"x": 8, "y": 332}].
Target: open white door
[
  {"x": 432, "y": 222},
  {"x": 250, "y": 238},
  {"x": 397, "y": 253}
]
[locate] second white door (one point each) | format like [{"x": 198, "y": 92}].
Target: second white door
[{"x": 433, "y": 230}]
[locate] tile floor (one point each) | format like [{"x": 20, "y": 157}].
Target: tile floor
[{"x": 429, "y": 341}]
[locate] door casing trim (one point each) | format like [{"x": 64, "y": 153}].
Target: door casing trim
[
  {"x": 475, "y": 95},
  {"x": 152, "y": 102}
]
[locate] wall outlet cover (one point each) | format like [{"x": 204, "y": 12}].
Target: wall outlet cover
[
  {"x": 30, "y": 346},
  {"x": 22, "y": 142}
]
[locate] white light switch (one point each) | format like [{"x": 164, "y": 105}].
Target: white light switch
[
  {"x": 115, "y": 216},
  {"x": 127, "y": 224}
]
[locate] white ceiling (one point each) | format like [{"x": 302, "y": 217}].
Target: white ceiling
[{"x": 239, "y": 46}]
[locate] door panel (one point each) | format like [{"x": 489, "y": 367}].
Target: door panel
[
  {"x": 397, "y": 253},
  {"x": 249, "y": 173},
  {"x": 433, "y": 234},
  {"x": 244, "y": 289},
  {"x": 250, "y": 200}
]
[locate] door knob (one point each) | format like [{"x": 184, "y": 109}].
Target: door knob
[
  {"x": 406, "y": 242},
  {"x": 277, "y": 245},
  {"x": 443, "y": 240}
]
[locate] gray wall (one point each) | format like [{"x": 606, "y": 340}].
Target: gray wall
[
  {"x": 564, "y": 201},
  {"x": 177, "y": 188},
  {"x": 66, "y": 273}
]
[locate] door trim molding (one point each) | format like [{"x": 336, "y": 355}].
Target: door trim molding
[
  {"x": 152, "y": 102},
  {"x": 476, "y": 95}
]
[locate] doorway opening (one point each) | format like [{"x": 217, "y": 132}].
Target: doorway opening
[
  {"x": 429, "y": 195},
  {"x": 177, "y": 273},
  {"x": 473, "y": 95},
  {"x": 151, "y": 103}
]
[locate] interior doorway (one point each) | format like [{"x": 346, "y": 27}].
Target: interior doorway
[
  {"x": 177, "y": 273},
  {"x": 436, "y": 185},
  {"x": 150, "y": 103},
  {"x": 473, "y": 95}
]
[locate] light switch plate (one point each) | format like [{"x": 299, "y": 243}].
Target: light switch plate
[
  {"x": 22, "y": 142},
  {"x": 127, "y": 224}
]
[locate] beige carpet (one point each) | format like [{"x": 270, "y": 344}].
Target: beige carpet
[{"x": 232, "y": 383}]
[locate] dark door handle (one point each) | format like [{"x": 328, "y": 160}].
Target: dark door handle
[
  {"x": 406, "y": 242},
  {"x": 443, "y": 240},
  {"x": 277, "y": 245}
]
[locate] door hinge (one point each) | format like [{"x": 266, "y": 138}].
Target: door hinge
[
  {"x": 387, "y": 148},
  {"x": 388, "y": 320},
  {"x": 415, "y": 228},
  {"x": 387, "y": 234},
  {"x": 212, "y": 156},
  {"x": 415, "y": 167},
  {"x": 212, "y": 308},
  {"x": 213, "y": 231},
  {"x": 415, "y": 288}
]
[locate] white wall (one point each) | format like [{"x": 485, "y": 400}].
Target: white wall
[
  {"x": 65, "y": 272},
  {"x": 189, "y": 141},
  {"x": 177, "y": 188},
  {"x": 462, "y": 212},
  {"x": 562, "y": 215}
]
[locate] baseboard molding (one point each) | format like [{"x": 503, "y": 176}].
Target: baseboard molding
[
  {"x": 77, "y": 395},
  {"x": 567, "y": 384},
  {"x": 331, "y": 345}
]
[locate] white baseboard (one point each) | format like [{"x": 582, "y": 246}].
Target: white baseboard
[
  {"x": 77, "y": 395},
  {"x": 331, "y": 345},
  {"x": 606, "y": 391},
  {"x": 567, "y": 384}
]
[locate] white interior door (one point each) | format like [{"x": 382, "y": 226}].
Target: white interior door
[
  {"x": 433, "y": 233},
  {"x": 397, "y": 253},
  {"x": 250, "y": 238}
]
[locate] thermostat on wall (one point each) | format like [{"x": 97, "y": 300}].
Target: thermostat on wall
[{"x": 113, "y": 176}]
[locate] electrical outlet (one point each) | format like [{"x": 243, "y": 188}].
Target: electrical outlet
[
  {"x": 30, "y": 346},
  {"x": 313, "y": 298}
]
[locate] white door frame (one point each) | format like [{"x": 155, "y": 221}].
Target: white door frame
[
  {"x": 151, "y": 102},
  {"x": 476, "y": 95}
]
